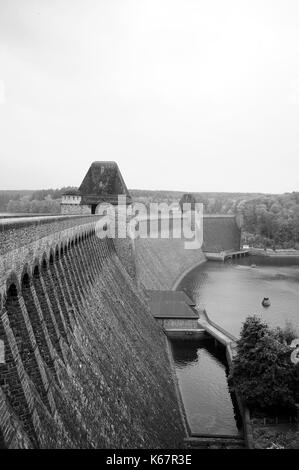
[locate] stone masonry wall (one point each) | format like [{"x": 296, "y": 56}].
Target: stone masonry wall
[
  {"x": 74, "y": 209},
  {"x": 160, "y": 262},
  {"x": 85, "y": 363},
  {"x": 221, "y": 233}
]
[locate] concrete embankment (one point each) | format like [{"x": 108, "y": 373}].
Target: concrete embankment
[{"x": 229, "y": 342}]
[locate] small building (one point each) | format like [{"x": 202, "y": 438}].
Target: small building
[
  {"x": 103, "y": 183},
  {"x": 176, "y": 313}
]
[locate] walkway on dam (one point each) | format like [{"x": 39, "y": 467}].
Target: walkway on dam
[{"x": 219, "y": 333}]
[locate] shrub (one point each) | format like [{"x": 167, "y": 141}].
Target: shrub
[{"x": 262, "y": 373}]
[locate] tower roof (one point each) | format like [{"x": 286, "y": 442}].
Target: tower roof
[{"x": 103, "y": 183}]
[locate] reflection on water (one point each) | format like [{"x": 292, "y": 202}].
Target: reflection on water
[
  {"x": 232, "y": 291},
  {"x": 201, "y": 372}
]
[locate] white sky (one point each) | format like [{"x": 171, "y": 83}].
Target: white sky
[{"x": 191, "y": 95}]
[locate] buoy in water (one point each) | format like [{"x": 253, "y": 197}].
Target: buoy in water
[{"x": 266, "y": 302}]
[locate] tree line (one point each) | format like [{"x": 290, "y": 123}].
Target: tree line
[
  {"x": 45, "y": 201},
  {"x": 269, "y": 220}
]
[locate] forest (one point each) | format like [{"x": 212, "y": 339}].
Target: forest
[{"x": 270, "y": 220}]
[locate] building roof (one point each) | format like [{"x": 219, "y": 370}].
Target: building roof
[
  {"x": 171, "y": 304},
  {"x": 172, "y": 309},
  {"x": 103, "y": 183},
  {"x": 170, "y": 295}
]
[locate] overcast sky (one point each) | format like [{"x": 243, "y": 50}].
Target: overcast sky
[{"x": 195, "y": 95}]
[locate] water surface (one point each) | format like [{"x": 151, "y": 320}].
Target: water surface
[
  {"x": 232, "y": 291},
  {"x": 201, "y": 370}
]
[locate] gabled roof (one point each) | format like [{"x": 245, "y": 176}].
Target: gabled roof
[
  {"x": 103, "y": 183},
  {"x": 171, "y": 304},
  {"x": 170, "y": 295},
  {"x": 172, "y": 309}
]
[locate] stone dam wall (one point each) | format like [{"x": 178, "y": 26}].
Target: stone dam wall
[
  {"x": 85, "y": 365},
  {"x": 160, "y": 263},
  {"x": 221, "y": 233}
]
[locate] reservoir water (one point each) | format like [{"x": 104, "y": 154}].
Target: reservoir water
[
  {"x": 202, "y": 375},
  {"x": 232, "y": 291},
  {"x": 229, "y": 292}
]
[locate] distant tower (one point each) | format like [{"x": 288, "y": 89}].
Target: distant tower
[{"x": 103, "y": 183}]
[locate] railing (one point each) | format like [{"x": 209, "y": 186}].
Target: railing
[
  {"x": 19, "y": 222},
  {"x": 222, "y": 330}
]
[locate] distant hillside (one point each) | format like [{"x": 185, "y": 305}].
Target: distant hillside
[
  {"x": 31, "y": 201},
  {"x": 269, "y": 219},
  {"x": 7, "y": 195}
]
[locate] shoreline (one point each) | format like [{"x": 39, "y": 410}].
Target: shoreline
[{"x": 269, "y": 253}]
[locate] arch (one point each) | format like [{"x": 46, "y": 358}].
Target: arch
[
  {"x": 36, "y": 272},
  {"x": 55, "y": 295},
  {"x": 9, "y": 378},
  {"x": 26, "y": 281},
  {"x": 57, "y": 253},
  {"x": 12, "y": 279},
  {"x": 26, "y": 273},
  {"x": 35, "y": 320},
  {"x": 16, "y": 311},
  {"x": 12, "y": 292},
  {"x": 51, "y": 258},
  {"x": 40, "y": 282},
  {"x": 44, "y": 265},
  {"x": 36, "y": 263}
]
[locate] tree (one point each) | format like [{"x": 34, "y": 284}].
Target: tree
[
  {"x": 262, "y": 373},
  {"x": 187, "y": 199}
]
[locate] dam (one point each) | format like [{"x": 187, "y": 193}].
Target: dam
[{"x": 84, "y": 363}]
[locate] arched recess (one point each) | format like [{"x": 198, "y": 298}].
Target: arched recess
[
  {"x": 34, "y": 317},
  {"x": 79, "y": 270},
  {"x": 60, "y": 292},
  {"x": 63, "y": 279},
  {"x": 54, "y": 293},
  {"x": 10, "y": 381},
  {"x": 68, "y": 275},
  {"x": 76, "y": 273},
  {"x": 13, "y": 307},
  {"x": 38, "y": 275}
]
